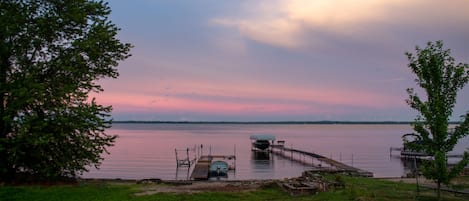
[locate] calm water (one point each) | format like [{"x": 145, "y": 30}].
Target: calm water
[{"x": 147, "y": 150}]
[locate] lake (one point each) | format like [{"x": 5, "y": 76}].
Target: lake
[{"x": 147, "y": 150}]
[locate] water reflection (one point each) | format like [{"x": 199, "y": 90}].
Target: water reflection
[
  {"x": 260, "y": 155},
  {"x": 261, "y": 160},
  {"x": 147, "y": 150},
  {"x": 410, "y": 165},
  {"x": 182, "y": 173}
]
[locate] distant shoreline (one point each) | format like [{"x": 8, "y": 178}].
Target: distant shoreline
[
  {"x": 262, "y": 122},
  {"x": 271, "y": 122}
]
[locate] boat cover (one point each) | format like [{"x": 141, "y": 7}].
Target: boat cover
[
  {"x": 222, "y": 165},
  {"x": 262, "y": 137}
]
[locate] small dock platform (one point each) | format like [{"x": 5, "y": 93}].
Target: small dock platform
[
  {"x": 202, "y": 166},
  {"x": 411, "y": 154}
]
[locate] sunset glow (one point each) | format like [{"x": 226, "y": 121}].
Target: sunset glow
[{"x": 276, "y": 60}]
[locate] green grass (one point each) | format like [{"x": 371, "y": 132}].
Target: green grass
[
  {"x": 461, "y": 182},
  {"x": 356, "y": 189},
  {"x": 81, "y": 193}
]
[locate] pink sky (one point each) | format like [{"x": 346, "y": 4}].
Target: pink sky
[{"x": 276, "y": 60}]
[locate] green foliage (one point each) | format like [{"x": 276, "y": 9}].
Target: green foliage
[
  {"x": 441, "y": 80},
  {"x": 59, "y": 193},
  {"x": 356, "y": 189},
  {"x": 51, "y": 55}
]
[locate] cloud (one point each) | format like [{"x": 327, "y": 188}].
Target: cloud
[
  {"x": 295, "y": 23},
  {"x": 277, "y": 32},
  {"x": 264, "y": 59}
]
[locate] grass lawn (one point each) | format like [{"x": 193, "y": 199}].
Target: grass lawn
[
  {"x": 461, "y": 182},
  {"x": 356, "y": 189}
]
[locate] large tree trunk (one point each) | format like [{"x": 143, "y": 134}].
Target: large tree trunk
[
  {"x": 5, "y": 127},
  {"x": 438, "y": 190},
  {"x": 3, "y": 124},
  {"x": 4, "y": 65}
]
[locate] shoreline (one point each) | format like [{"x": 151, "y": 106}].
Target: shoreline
[
  {"x": 276, "y": 122},
  {"x": 269, "y": 122}
]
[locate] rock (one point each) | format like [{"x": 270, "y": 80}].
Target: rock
[{"x": 149, "y": 181}]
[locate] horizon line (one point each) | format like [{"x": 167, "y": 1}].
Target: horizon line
[
  {"x": 269, "y": 122},
  {"x": 263, "y": 122}
]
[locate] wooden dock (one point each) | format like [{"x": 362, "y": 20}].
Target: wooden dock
[
  {"x": 410, "y": 154},
  {"x": 202, "y": 166},
  {"x": 280, "y": 149}
]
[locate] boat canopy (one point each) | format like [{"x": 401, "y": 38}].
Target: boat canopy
[
  {"x": 262, "y": 137},
  {"x": 222, "y": 165}
]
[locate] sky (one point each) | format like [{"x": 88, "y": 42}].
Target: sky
[{"x": 277, "y": 60}]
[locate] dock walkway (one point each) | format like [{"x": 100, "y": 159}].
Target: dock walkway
[
  {"x": 406, "y": 153},
  {"x": 280, "y": 149},
  {"x": 201, "y": 168}
]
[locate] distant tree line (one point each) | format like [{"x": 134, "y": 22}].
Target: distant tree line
[{"x": 269, "y": 122}]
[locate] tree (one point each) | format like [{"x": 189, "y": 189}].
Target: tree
[
  {"x": 51, "y": 55},
  {"x": 441, "y": 79}
]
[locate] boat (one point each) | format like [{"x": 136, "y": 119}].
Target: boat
[
  {"x": 412, "y": 139},
  {"x": 262, "y": 141},
  {"x": 218, "y": 169}
]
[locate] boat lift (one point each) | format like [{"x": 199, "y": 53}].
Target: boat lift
[
  {"x": 185, "y": 157},
  {"x": 261, "y": 142}
]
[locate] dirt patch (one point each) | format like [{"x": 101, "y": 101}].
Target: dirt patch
[{"x": 203, "y": 186}]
